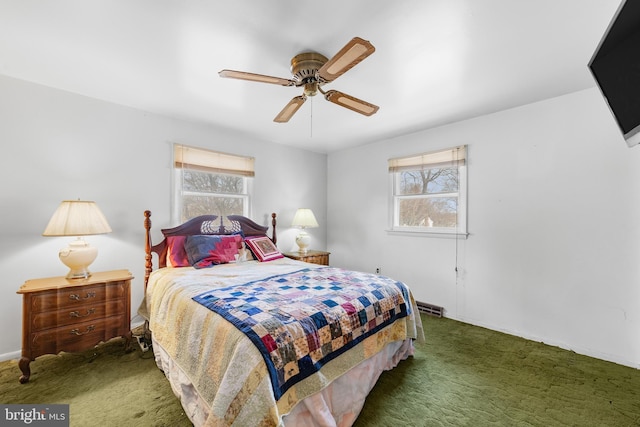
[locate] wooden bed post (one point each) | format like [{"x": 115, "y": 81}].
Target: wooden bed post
[
  {"x": 274, "y": 238},
  {"x": 148, "y": 265}
]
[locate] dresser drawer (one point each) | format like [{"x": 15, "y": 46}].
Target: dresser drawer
[
  {"x": 77, "y": 337},
  {"x": 75, "y": 297},
  {"x": 74, "y": 315}
]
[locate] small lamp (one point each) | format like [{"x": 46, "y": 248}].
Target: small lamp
[
  {"x": 77, "y": 218},
  {"x": 304, "y": 218}
]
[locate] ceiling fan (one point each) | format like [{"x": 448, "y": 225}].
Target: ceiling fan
[{"x": 312, "y": 70}]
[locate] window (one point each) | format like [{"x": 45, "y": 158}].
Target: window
[
  {"x": 428, "y": 192},
  {"x": 210, "y": 183}
]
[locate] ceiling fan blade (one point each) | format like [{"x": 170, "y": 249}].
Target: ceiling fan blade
[
  {"x": 261, "y": 78},
  {"x": 350, "y": 102},
  {"x": 290, "y": 109},
  {"x": 348, "y": 57}
]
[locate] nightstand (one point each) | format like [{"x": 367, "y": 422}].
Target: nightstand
[
  {"x": 314, "y": 257},
  {"x": 72, "y": 315}
]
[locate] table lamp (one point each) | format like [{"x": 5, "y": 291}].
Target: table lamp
[
  {"x": 304, "y": 218},
  {"x": 77, "y": 218}
]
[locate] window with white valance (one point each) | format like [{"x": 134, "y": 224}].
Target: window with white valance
[
  {"x": 428, "y": 192},
  {"x": 210, "y": 183}
]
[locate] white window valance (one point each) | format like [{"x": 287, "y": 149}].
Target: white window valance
[
  {"x": 445, "y": 158},
  {"x": 200, "y": 159}
]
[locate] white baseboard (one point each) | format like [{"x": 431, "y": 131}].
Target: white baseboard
[
  {"x": 583, "y": 351},
  {"x": 14, "y": 355}
]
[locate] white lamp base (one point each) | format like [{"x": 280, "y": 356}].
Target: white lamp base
[
  {"x": 78, "y": 256},
  {"x": 302, "y": 240}
]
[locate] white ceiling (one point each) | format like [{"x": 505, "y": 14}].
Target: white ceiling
[{"x": 436, "y": 61}]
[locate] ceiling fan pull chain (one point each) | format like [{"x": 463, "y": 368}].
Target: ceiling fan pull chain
[{"x": 311, "y": 122}]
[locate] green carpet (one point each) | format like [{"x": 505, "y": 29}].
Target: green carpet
[{"x": 462, "y": 376}]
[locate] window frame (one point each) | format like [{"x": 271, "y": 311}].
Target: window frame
[
  {"x": 211, "y": 162},
  {"x": 457, "y": 157}
]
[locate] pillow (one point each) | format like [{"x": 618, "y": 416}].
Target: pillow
[
  {"x": 207, "y": 251},
  {"x": 263, "y": 248},
  {"x": 176, "y": 255}
]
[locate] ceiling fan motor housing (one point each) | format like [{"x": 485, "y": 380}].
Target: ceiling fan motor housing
[{"x": 304, "y": 67}]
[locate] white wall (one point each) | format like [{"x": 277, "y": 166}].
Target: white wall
[
  {"x": 553, "y": 209},
  {"x": 57, "y": 145},
  {"x": 554, "y": 222}
]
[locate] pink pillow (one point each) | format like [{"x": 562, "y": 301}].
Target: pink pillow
[
  {"x": 176, "y": 255},
  {"x": 263, "y": 248},
  {"x": 209, "y": 250}
]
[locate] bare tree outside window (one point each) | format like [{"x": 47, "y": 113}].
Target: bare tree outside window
[
  {"x": 435, "y": 210},
  {"x": 211, "y": 194}
]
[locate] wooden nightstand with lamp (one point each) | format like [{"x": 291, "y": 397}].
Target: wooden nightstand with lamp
[
  {"x": 60, "y": 314},
  {"x": 304, "y": 218},
  {"x": 76, "y": 312}
]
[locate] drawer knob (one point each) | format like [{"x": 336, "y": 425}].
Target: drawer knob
[
  {"x": 78, "y": 298},
  {"x": 77, "y": 313},
  {"x": 77, "y": 331}
]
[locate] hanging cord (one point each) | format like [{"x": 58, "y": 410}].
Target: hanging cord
[
  {"x": 311, "y": 121},
  {"x": 457, "y": 159}
]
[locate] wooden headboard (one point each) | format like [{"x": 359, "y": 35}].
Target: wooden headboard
[{"x": 205, "y": 224}]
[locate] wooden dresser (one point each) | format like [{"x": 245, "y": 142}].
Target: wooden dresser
[
  {"x": 314, "y": 257},
  {"x": 60, "y": 314}
]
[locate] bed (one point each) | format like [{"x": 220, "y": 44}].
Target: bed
[{"x": 247, "y": 337}]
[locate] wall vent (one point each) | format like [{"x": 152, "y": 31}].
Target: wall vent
[{"x": 430, "y": 309}]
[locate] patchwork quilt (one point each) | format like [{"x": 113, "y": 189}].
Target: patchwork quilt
[{"x": 301, "y": 320}]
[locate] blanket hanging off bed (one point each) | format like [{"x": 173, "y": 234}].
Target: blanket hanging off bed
[{"x": 299, "y": 321}]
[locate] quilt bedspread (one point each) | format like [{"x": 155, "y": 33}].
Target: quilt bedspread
[
  {"x": 300, "y": 321},
  {"x": 224, "y": 366}
]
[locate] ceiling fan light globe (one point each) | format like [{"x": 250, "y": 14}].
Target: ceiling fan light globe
[{"x": 311, "y": 88}]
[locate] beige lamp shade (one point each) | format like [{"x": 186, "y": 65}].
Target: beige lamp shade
[
  {"x": 77, "y": 218},
  {"x": 304, "y": 218}
]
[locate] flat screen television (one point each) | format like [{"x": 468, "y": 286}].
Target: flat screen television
[{"x": 616, "y": 68}]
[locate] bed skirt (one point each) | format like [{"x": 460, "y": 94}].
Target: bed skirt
[{"x": 338, "y": 404}]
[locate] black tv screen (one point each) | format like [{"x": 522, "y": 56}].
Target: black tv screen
[{"x": 616, "y": 69}]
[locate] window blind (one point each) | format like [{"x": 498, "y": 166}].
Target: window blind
[
  {"x": 445, "y": 158},
  {"x": 200, "y": 159}
]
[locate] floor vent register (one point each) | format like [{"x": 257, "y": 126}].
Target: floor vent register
[{"x": 430, "y": 309}]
